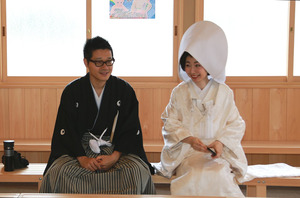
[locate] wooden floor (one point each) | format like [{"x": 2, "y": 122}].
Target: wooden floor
[{"x": 162, "y": 189}]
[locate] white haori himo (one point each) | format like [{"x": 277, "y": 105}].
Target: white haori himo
[{"x": 209, "y": 114}]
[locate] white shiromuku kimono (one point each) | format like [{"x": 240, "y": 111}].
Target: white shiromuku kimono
[{"x": 209, "y": 114}]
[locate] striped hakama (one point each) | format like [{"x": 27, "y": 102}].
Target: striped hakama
[{"x": 130, "y": 175}]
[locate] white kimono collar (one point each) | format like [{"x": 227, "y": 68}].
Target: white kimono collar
[
  {"x": 197, "y": 93},
  {"x": 98, "y": 99},
  {"x": 201, "y": 93}
]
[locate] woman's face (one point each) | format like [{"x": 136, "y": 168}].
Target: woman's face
[{"x": 196, "y": 72}]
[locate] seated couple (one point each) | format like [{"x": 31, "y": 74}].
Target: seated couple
[{"x": 97, "y": 144}]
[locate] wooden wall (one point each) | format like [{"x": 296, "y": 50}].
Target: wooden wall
[
  {"x": 271, "y": 112},
  {"x": 30, "y": 113}
]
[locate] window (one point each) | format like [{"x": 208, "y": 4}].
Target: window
[
  {"x": 257, "y": 34},
  {"x": 45, "y": 38},
  {"x": 142, "y": 47}
]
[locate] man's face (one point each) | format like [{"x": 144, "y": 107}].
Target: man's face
[{"x": 99, "y": 73}]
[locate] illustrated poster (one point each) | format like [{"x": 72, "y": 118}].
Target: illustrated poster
[{"x": 132, "y": 9}]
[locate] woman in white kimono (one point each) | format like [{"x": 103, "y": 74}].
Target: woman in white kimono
[{"x": 202, "y": 116}]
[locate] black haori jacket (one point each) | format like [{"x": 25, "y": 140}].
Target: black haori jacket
[{"x": 77, "y": 113}]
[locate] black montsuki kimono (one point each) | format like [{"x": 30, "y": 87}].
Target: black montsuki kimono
[{"x": 78, "y": 111}]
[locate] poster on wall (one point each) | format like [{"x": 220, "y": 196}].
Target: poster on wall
[{"x": 132, "y": 9}]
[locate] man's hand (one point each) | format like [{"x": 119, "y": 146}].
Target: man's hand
[
  {"x": 88, "y": 163},
  {"x": 107, "y": 161}
]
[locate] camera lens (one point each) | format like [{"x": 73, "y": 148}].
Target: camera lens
[{"x": 8, "y": 155}]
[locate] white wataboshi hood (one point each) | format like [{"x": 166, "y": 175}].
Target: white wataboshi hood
[{"x": 207, "y": 43}]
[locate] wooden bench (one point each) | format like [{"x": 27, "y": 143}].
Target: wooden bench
[
  {"x": 255, "y": 188},
  {"x": 258, "y": 187},
  {"x": 250, "y": 147},
  {"x": 32, "y": 174}
]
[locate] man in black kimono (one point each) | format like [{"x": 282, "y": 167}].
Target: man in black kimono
[{"x": 97, "y": 135}]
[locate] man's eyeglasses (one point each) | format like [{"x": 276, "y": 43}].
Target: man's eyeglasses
[{"x": 101, "y": 63}]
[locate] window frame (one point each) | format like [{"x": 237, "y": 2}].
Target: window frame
[
  {"x": 179, "y": 25},
  {"x": 264, "y": 80},
  {"x": 57, "y": 80}
]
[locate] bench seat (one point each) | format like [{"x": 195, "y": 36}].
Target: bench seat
[
  {"x": 258, "y": 187},
  {"x": 255, "y": 188},
  {"x": 250, "y": 147},
  {"x": 32, "y": 174}
]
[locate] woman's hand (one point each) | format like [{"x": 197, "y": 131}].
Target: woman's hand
[
  {"x": 107, "y": 161},
  {"x": 218, "y": 147},
  {"x": 88, "y": 163},
  {"x": 195, "y": 144}
]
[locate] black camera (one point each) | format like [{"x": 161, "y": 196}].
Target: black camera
[{"x": 8, "y": 160}]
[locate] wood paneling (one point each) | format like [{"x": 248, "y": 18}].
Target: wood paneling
[
  {"x": 260, "y": 114},
  {"x": 16, "y": 104},
  {"x": 49, "y": 107},
  {"x": 161, "y": 99},
  {"x": 152, "y": 103},
  {"x": 32, "y": 111},
  {"x": 4, "y": 121},
  {"x": 278, "y": 114},
  {"x": 145, "y": 97},
  {"x": 270, "y": 114},
  {"x": 243, "y": 100},
  {"x": 293, "y": 114}
]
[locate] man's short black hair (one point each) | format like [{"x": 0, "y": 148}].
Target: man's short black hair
[{"x": 94, "y": 44}]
